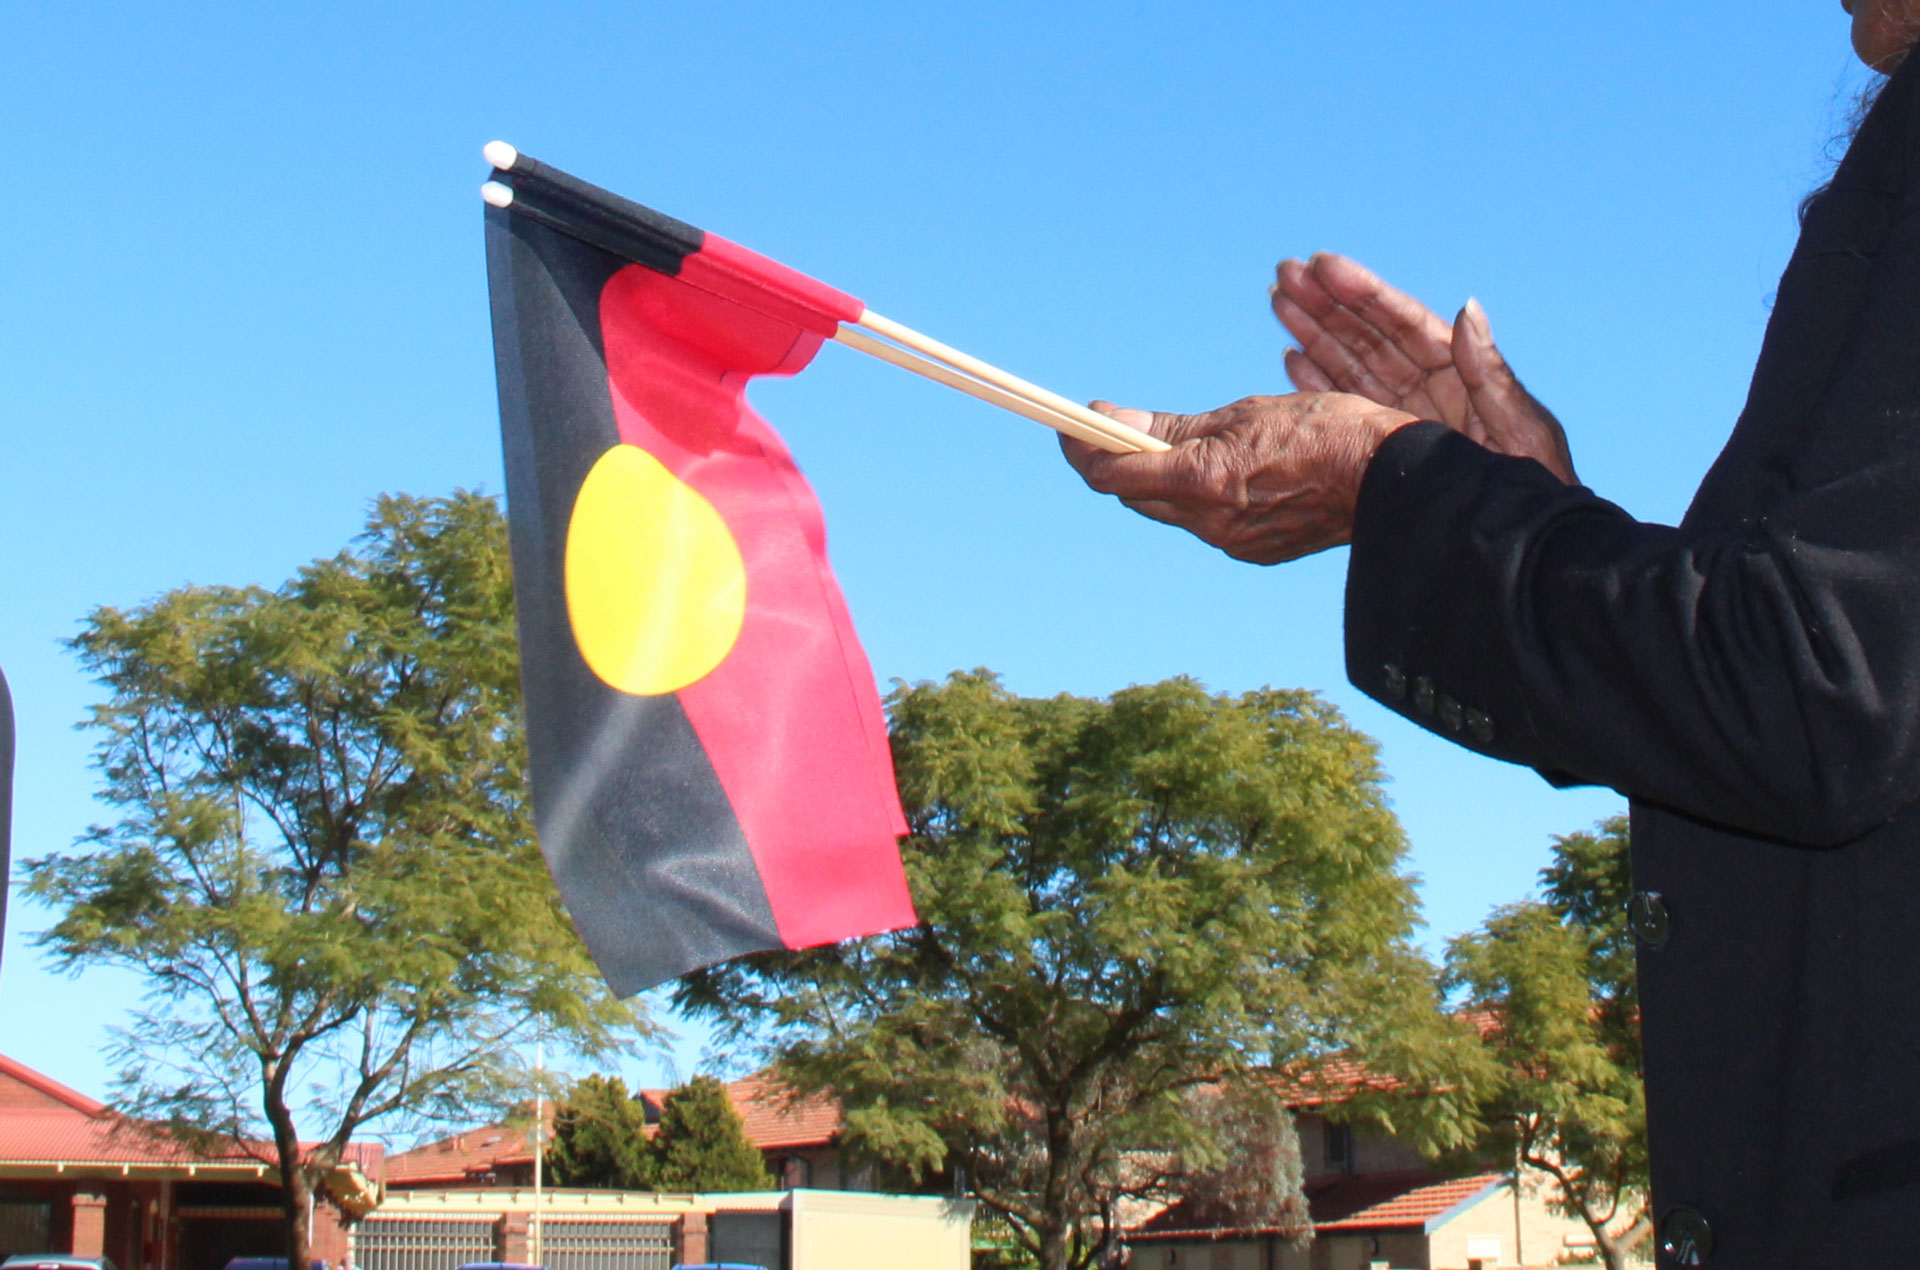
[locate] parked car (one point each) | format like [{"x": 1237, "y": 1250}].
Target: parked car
[
  {"x": 716, "y": 1265},
  {"x": 500, "y": 1265},
  {"x": 55, "y": 1261},
  {"x": 268, "y": 1263}
]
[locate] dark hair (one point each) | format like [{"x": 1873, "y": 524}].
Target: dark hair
[{"x": 1837, "y": 145}]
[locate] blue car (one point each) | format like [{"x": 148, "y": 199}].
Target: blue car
[{"x": 55, "y": 1261}]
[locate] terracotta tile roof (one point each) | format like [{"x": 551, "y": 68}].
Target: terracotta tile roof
[
  {"x": 1414, "y": 1200},
  {"x": 1392, "y": 1201},
  {"x": 67, "y": 1136},
  {"x": 773, "y": 1122},
  {"x": 44, "y": 1122},
  {"x": 1329, "y": 1081},
  {"x": 22, "y": 1087},
  {"x": 465, "y": 1157},
  {"x": 776, "y": 1122}
]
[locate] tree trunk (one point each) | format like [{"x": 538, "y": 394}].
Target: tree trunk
[
  {"x": 296, "y": 1197},
  {"x": 1054, "y": 1253},
  {"x": 1616, "y": 1250},
  {"x": 1056, "y": 1232},
  {"x": 296, "y": 1188}
]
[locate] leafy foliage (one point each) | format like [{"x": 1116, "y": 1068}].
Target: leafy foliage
[
  {"x": 1123, "y": 901},
  {"x": 600, "y": 1138},
  {"x": 323, "y": 863},
  {"x": 1251, "y": 1172},
  {"x": 1554, "y": 983},
  {"x": 702, "y": 1143}
]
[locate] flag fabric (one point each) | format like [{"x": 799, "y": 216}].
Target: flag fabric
[{"x": 710, "y": 767}]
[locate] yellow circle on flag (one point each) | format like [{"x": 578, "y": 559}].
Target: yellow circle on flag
[{"x": 656, "y": 589}]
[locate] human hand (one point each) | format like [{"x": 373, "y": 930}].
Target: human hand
[
  {"x": 1265, "y": 479},
  {"x": 1359, "y": 335}
]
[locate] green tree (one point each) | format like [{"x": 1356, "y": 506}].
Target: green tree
[
  {"x": 702, "y": 1143},
  {"x": 600, "y": 1138},
  {"x": 1123, "y": 901},
  {"x": 1553, "y": 981},
  {"x": 1252, "y": 1171},
  {"x": 323, "y": 862}
]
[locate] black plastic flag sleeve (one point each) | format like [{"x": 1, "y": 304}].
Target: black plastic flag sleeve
[
  {"x": 6, "y": 799},
  {"x": 711, "y": 775}
]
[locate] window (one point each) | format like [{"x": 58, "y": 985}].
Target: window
[
  {"x": 1339, "y": 1147},
  {"x": 26, "y": 1225}
]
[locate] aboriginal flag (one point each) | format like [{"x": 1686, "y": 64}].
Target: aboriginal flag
[{"x": 710, "y": 767}]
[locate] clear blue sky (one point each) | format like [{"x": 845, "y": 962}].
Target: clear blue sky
[{"x": 243, "y": 293}]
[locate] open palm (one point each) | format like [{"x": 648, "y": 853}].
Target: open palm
[{"x": 1359, "y": 335}]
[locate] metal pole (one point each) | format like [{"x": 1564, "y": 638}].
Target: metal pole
[
  {"x": 1519, "y": 1256},
  {"x": 539, "y": 1135},
  {"x": 6, "y": 798}
]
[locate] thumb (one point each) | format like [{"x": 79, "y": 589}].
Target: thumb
[
  {"x": 1170, "y": 428},
  {"x": 1491, "y": 386}
]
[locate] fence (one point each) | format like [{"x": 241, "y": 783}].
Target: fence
[
  {"x": 580, "y": 1244},
  {"x": 422, "y": 1243}
]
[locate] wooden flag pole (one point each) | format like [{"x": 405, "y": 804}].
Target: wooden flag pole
[
  {"x": 1114, "y": 436},
  {"x": 986, "y": 392}
]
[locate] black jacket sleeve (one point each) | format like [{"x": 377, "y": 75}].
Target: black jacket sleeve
[{"x": 1759, "y": 670}]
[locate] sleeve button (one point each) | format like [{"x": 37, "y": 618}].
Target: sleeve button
[
  {"x": 1480, "y": 725},
  {"x": 1648, "y": 920},
  {"x": 1423, "y": 695},
  {"x": 1685, "y": 1238},
  {"x": 1395, "y": 680},
  {"x": 1450, "y": 713}
]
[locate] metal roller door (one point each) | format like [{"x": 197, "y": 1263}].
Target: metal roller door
[
  {"x": 578, "y": 1244},
  {"x": 421, "y": 1243}
]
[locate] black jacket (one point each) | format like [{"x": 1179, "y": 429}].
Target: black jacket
[{"x": 1751, "y": 680}]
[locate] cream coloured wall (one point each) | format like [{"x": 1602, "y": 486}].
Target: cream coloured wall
[
  {"x": 845, "y": 1230},
  {"x": 1545, "y": 1239},
  {"x": 831, "y": 1230}
]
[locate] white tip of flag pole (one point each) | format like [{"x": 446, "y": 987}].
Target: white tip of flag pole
[
  {"x": 496, "y": 194},
  {"x": 500, "y": 154}
]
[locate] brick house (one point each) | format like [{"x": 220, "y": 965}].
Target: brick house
[
  {"x": 1375, "y": 1203},
  {"x": 799, "y": 1140},
  {"x": 77, "y": 1177}
]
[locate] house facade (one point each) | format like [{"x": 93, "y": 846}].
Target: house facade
[
  {"x": 634, "y": 1230},
  {"x": 77, "y": 1177},
  {"x": 1376, "y": 1205},
  {"x": 798, "y": 1138}
]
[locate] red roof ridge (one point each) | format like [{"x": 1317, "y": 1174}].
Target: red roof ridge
[
  {"x": 49, "y": 1086},
  {"x": 1403, "y": 1199}
]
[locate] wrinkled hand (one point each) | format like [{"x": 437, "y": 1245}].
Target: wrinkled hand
[
  {"x": 1359, "y": 335},
  {"x": 1265, "y": 479}
]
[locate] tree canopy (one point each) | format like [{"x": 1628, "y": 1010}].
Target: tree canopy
[
  {"x": 1553, "y": 982},
  {"x": 323, "y": 863},
  {"x": 1123, "y": 901},
  {"x": 600, "y": 1138},
  {"x": 702, "y": 1143}
]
